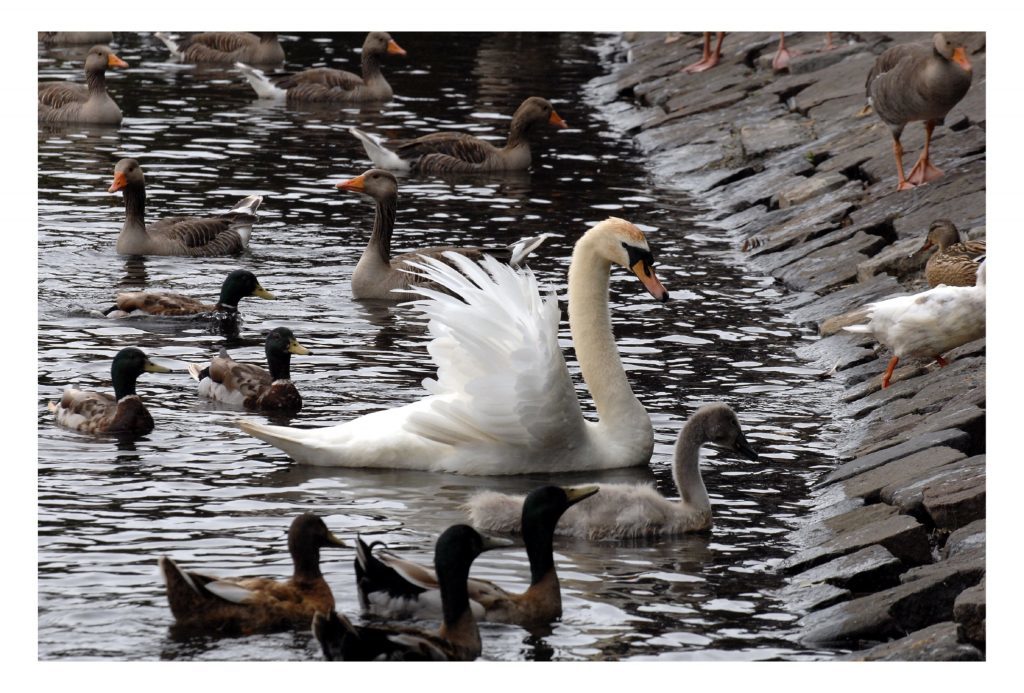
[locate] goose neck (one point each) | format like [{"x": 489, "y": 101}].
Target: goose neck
[
  {"x": 370, "y": 65},
  {"x": 135, "y": 205},
  {"x": 96, "y": 80},
  {"x": 383, "y": 225}
]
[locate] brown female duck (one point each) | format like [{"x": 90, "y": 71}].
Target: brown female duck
[
  {"x": 325, "y": 84},
  {"x": 64, "y": 102},
  {"x": 394, "y": 587},
  {"x": 225, "y": 234},
  {"x": 226, "y": 47},
  {"x": 248, "y": 385},
  {"x": 97, "y": 412},
  {"x": 459, "y": 637},
  {"x": 379, "y": 276},
  {"x": 913, "y": 82},
  {"x": 457, "y": 152},
  {"x": 201, "y": 603},
  {"x": 955, "y": 263}
]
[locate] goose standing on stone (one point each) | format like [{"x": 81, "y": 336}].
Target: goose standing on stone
[
  {"x": 226, "y": 234},
  {"x": 913, "y": 82},
  {"x": 503, "y": 401},
  {"x": 708, "y": 57},
  {"x": 325, "y": 84},
  {"x": 459, "y": 636},
  {"x": 379, "y": 276},
  {"x": 955, "y": 262},
  {"x": 394, "y": 587},
  {"x": 205, "y": 604},
  {"x": 457, "y": 152},
  {"x": 98, "y": 412},
  {"x": 928, "y": 324},
  {"x": 633, "y": 511},
  {"x": 226, "y": 47},
  {"x": 65, "y": 102}
]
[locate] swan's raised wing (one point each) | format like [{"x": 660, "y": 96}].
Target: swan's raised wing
[{"x": 501, "y": 376}]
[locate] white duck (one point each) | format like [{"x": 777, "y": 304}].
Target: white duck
[
  {"x": 928, "y": 324},
  {"x": 503, "y": 401},
  {"x": 631, "y": 511}
]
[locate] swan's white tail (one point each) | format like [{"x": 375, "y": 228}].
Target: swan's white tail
[
  {"x": 171, "y": 44},
  {"x": 378, "y": 153},
  {"x": 523, "y": 247},
  {"x": 860, "y": 329},
  {"x": 264, "y": 88}
]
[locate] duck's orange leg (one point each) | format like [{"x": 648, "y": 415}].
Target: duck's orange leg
[
  {"x": 888, "y": 371},
  {"x": 923, "y": 171},
  {"x": 708, "y": 59}
]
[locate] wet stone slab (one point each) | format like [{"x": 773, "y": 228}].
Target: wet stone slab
[{"x": 936, "y": 643}]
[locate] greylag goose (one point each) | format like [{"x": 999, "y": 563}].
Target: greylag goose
[
  {"x": 459, "y": 636},
  {"x": 503, "y": 401},
  {"x": 955, "y": 263},
  {"x": 74, "y": 38},
  {"x": 98, "y": 412},
  {"x": 928, "y": 324},
  {"x": 913, "y": 82},
  {"x": 630, "y": 511},
  {"x": 379, "y": 276},
  {"x": 708, "y": 58},
  {"x": 457, "y": 152},
  {"x": 64, "y": 102},
  {"x": 325, "y": 84},
  {"x": 226, "y": 47},
  {"x": 226, "y": 234},
  {"x": 237, "y": 285},
  {"x": 393, "y": 587},
  {"x": 248, "y": 385},
  {"x": 208, "y": 605}
]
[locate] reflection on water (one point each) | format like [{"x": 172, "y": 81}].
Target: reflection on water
[{"x": 198, "y": 490}]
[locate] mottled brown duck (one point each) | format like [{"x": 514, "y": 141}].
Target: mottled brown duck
[
  {"x": 459, "y": 636},
  {"x": 458, "y": 152},
  {"x": 225, "y": 234},
  {"x": 211, "y": 606},
  {"x": 66, "y": 102},
  {"x": 226, "y": 47},
  {"x": 394, "y": 587},
  {"x": 327, "y": 85},
  {"x": 955, "y": 263},
  {"x": 250, "y": 386},
  {"x": 237, "y": 285},
  {"x": 98, "y": 412},
  {"x": 378, "y": 275},
  {"x": 913, "y": 82}
]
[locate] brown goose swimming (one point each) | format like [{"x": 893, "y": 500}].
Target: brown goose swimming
[
  {"x": 226, "y": 47},
  {"x": 457, "y": 152},
  {"x": 74, "y": 38},
  {"x": 325, "y": 84},
  {"x": 225, "y": 234},
  {"x": 955, "y": 263},
  {"x": 204, "y": 604},
  {"x": 915, "y": 82},
  {"x": 65, "y": 102},
  {"x": 379, "y": 276}
]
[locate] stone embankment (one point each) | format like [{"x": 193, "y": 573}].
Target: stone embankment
[{"x": 891, "y": 562}]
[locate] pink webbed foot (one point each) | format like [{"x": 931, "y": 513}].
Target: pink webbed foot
[{"x": 923, "y": 172}]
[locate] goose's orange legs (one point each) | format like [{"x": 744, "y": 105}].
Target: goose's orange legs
[{"x": 708, "y": 59}]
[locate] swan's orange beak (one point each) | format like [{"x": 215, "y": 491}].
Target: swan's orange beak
[
  {"x": 114, "y": 61},
  {"x": 960, "y": 58},
  {"x": 358, "y": 184},
  {"x": 119, "y": 182},
  {"x": 645, "y": 273},
  {"x": 557, "y": 121},
  {"x": 394, "y": 48}
]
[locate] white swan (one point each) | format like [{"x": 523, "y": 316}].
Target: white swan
[
  {"x": 927, "y": 324},
  {"x": 503, "y": 401},
  {"x": 630, "y": 511}
]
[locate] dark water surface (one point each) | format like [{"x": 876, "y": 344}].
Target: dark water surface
[{"x": 199, "y": 490}]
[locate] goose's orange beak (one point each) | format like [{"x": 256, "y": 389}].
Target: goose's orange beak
[
  {"x": 394, "y": 48},
  {"x": 557, "y": 121},
  {"x": 960, "y": 58},
  {"x": 645, "y": 273},
  {"x": 358, "y": 184},
  {"x": 119, "y": 182},
  {"x": 114, "y": 61}
]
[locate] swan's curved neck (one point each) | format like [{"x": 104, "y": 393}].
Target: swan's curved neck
[
  {"x": 591, "y": 328},
  {"x": 686, "y": 466}
]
